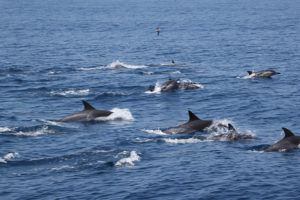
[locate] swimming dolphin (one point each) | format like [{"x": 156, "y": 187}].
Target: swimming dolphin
[
  {"x": 89, "y": 113},
  {"x": 289, "y": 142},
  {"x": 170, "y": 85},
  {"x": 262, "y": 74},
  {"x": 193, "y": 125},
  {"x": 232, "y": 135}
]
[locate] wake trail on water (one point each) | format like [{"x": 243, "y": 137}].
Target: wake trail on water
[
  {"x": 113, "y": 66},
  {"x": 27, "y": 131},
  {"x": 118, "y": 114},
  {"x": 70, "y": 92}
]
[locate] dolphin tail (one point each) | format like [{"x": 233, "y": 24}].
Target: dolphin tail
[
  {"x": 287, "y": 132},
  {"x": 87, "y": 106},
  {"x": 249, "y": 72}
]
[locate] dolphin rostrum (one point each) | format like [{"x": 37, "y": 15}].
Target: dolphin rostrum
[
  {"x": 262, "y": 74},
  {"x": 89, "y": 113},
  {"x": 193, "y": 125},
  {"x": 289, "y": 142}
]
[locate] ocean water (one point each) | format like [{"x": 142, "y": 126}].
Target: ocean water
[{"x": 53, "y": 54}]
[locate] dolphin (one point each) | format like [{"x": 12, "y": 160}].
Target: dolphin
[
  {"x": 262, "y": 74},
  {"x": 193, "y": 125},
  {"x": 289, "y": 142},
  {"x": 170, "y": 85},
  {"x": 89, "y": 113},
  {"x": 232, "y": 135}
]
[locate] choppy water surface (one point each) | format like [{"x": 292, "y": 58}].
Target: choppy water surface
[{"x": 54, "y": 54}]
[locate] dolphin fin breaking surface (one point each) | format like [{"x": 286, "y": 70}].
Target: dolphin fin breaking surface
[
  {"x": 192, "y": 116},
  {"x": 287, "y": 133},
  {"x": 87, "y": 106}
]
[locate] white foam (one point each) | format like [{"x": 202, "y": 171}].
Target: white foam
[
  {"x": 8, "y": 157},
  {"x": 118, "y": 114},
  {"x": 102, "y": 151},
  {"x": 255, "y": 151},
  {"x": 217, "y": 126},
  {"x": 129, "y": 161},
  {"x": 53, "y": 73},
  {"x": 157, "y": 132},
  {"x": 119, "y": 65},
  {"x": 182, "y": 141},
  {"x": 156, "y": 90},
  {"x": 148, "y": 73},
  {"x": 143, "y": 140},
  {"x": 42, "y": 131},
  {"x": 71, "y": 92},
  {"x": 4, "y": 129},
  {"x": 62, "y": 167},
  {"x": 176, "y": 72},
  {"x": 48, "y": 122}
]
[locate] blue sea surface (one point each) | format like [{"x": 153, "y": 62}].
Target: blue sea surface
[{"x": 53, "y": 54}]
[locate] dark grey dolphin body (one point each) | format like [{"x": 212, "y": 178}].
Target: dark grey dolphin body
[
  {"x": 89, "y": 113},
  {"x": 193, "y": 125},
  {"x": 170, "y": 85},
  {"x": 289, "y": 142},
  {"x": 232, "y": 135},
  {"x": 263, "y": 74}
]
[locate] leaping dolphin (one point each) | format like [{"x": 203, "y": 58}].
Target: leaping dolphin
[
  {"x": 289, "y": 142},
  {"x": 193, "y": 125},
  {"x": 262, "y": 74},
  {"x": 89, "y": 113}
]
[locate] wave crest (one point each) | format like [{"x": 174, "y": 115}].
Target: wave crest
[
  {"x": 27, "y": 131},
  {"x": 71, "y": 92}
]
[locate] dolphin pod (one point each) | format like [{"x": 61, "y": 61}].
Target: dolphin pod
[
  {"x": 194, "y": 124},
  {"x": 89, "y": 113},
  {"x": 289, "y": 142}
]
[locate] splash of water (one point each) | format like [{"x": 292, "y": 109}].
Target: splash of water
[
  {"x": 9, "y": 157},
  {"x": 129, "y": 161}
]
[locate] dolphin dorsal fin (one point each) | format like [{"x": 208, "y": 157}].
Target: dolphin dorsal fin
[
  {"x": 287, "y": 132},
  {"x": 250, "y": 72},
  {"x": 231, "y": 128},
  {"x": 87, "y": 106},
  {"x": 192, "y": 116}
]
